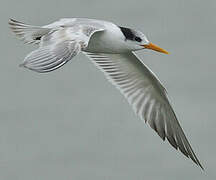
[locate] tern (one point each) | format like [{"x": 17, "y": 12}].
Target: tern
[{"x": 111, "y": 48}]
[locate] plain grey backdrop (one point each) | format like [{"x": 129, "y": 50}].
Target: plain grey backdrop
[{"x": 73, "y": 124}]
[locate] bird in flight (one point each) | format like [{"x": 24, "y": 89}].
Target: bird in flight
[{"x": 111, "y": 48}]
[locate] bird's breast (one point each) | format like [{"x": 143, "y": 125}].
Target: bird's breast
[{"x": 108, "y": 41}]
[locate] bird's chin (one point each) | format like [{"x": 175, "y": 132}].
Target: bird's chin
[{"x": 139, "y": 47}]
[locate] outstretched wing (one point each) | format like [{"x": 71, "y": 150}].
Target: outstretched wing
[
  {"x": 146, "y": 95},
  {"x": 33, "y": 34},
  {"x": 51, "y": 57},
  {"x": 58, "y": 47}
]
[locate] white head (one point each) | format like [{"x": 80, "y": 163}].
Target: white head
[{"x": 136, "y": 40}]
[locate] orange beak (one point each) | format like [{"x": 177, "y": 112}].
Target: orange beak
[{"x": 155, "y": 48}]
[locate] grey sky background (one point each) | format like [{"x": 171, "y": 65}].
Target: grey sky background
[{"x": 73, "y": 124}]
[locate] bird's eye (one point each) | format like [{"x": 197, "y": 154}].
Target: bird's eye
[{"x": 138, "y": 39}]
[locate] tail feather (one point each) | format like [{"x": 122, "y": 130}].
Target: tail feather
[{"x": 27, "y": 33}]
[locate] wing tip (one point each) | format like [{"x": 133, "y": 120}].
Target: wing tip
[
  {"x": 197, "y": 162},
  {"x": 190, "y": 155},
  {"x": 11, "y": 21},
  {"x": 200, "y": 165},
  {"x": 22, "y": 65}
]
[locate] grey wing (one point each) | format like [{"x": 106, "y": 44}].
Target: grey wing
[
  {"x": 58, "y": 47},
  {"x": 35, "y": 34},
  {"x": 75, "y": 22},
  {"x": 146, "y": 95},
  {"x": 51, "y": 57}
]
